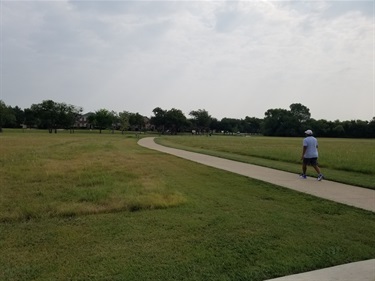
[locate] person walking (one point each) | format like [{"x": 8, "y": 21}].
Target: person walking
[{"x": 310, "y": 154}]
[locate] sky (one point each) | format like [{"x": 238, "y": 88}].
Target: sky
[{"x": 231, "y": 58}]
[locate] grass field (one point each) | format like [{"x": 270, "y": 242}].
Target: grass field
[
  {"x": 100, "y": 207},
  {"x": 349, "y": 161}
]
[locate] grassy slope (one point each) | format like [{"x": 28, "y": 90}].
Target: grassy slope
[
  {"x": 343, "y": 160},
  {"x": 224, "y": 227}
]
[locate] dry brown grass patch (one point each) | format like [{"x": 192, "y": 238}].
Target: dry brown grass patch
[{"x": 49, "y": 175}]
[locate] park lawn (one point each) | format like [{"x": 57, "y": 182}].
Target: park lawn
[
  {"x": 348, "y": 161},
  {"x": 159, "y": 217}
]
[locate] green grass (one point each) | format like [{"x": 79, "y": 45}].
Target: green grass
[
  {"x": 349, "y": 161},
  {"x": 64, "y": 175},
  {"x": 66, "y": 216}
]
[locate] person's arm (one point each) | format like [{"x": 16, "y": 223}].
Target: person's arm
[{"x": 303, "y": 151}]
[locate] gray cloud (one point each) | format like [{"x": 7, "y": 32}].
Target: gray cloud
[{"x": 234, "y": 59}]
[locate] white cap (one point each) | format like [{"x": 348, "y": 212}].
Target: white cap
[{"x": 308, "y": 132}]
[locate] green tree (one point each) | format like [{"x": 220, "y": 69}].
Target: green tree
[
  {"x": 214, "y": 124},
  {"x": 201, "y": 120},
  {"x": 253, "y": 125},
  {"x": 175, "y": 120},
  {"x": 339, "y": 131},
  {"x": 280, "y": 122},
  {"x": 124, "y": 120},
  {"x": 20, "y": 115},
  {"x": 322, "y": 128},
  {"x": 69, "y": 115},
  {"x": 46, "y": 114},
  {"x": 357, "y": 128},
  {"x": 30, "y": 118},
  {"x": 301, "y": 112},
  {"x": 371, "y": 127},
  {"x": 159, "y": 119},
  {"x": 136, "y": 121},
  {"x": 172, "y": 121},
  {"x": 102, "y": 119},
  {"x": 52, "y": 115},
  {"x": 229, "y": 125},
  {"x": 6, "y": 115}
]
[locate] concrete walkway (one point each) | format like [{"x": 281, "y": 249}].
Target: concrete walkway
[
  {"x": 356, "y": 271},
  {"x": 363, "y": 198},
  {"x": 350, "y": 195}
]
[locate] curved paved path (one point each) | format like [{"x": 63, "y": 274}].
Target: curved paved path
[
  {"x": 350, "y": 195},
  {"x": 363, "y": 198}
]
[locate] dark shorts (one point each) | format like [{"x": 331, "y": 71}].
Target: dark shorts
[{"x": 310, "y": 161}]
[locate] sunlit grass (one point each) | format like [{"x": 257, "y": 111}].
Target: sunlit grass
[{"x": 65, "y": 175}]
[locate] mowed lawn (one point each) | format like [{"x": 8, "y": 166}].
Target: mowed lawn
[
  {"x": 348, "y": 161},
  {"x": 100, "y": 207}
]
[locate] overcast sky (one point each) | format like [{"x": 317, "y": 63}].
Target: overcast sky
[{"x": 231, "y": 58}]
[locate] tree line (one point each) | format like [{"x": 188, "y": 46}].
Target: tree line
[{"x": 290, "y": 122}]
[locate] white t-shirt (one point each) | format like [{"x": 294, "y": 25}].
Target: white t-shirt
[{"x": 312, "y": 144}]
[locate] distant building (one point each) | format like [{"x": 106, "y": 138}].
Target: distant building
[
  {"x": 83, "y": 121},
  {"x": 148, "y": 125}
]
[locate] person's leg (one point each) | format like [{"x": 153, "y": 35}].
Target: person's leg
[
  {"x": 304, "y": 168},
  {"x": 317, "y": 169}
]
